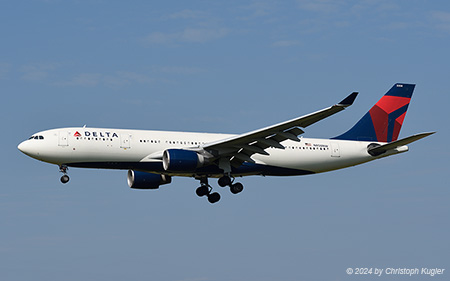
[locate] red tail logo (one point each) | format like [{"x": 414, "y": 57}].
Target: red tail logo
[
  {"x": 384, "y": 120},
  {"x": 387, "y": 117}
]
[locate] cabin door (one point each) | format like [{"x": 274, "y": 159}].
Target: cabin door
[
  {"x": 335, "y": 152},
  {"x": 63, "y": 139},
  {"x": 125, "y": 141}
]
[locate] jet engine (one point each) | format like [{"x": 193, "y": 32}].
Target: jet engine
[
  {"x": 180, "y": 160},
  {"x": 143, "y": 180}
]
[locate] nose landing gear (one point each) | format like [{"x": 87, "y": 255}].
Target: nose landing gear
[{"x": 64, "y": 178}]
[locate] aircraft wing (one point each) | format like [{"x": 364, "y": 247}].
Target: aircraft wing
[{"x": 239, "y": 148}]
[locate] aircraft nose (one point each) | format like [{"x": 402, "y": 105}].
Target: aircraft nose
[
  {"x": 25, "y": 147},
  {"x": 21, "y": 146}
]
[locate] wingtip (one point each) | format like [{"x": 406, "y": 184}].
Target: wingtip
[
  {"x": 348, "y": 100},
  {"x": 429, "y": 133}
]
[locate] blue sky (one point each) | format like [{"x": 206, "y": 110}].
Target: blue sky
[{"x": 225, "y": 67}]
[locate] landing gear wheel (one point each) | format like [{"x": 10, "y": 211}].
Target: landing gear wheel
[
  {"x": 202, "y": 190},
  {"x": 206, "y": 189},
  {"x": 63, "y": 169},
  {"x": 224, "y": 181},
  {"x": 213, "y": 197},
  {"x": 236, "y": 188},
  {"x": 65, "y": 179}
]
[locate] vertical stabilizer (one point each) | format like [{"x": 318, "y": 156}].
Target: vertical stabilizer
[{"x": 384, "y": 120}]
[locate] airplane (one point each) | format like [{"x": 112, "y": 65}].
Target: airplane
[{"x": 152, "y": 158}]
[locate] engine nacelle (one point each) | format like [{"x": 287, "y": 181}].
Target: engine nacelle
[
  {"x": 143, "y": 180},
  {"x": 180, "y": 160}
]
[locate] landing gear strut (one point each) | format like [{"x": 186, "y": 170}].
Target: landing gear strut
[
  {"x": 206, "y": 189},
  {"x": 64, "y": 178}
]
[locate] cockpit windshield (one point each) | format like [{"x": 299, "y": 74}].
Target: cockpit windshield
[{"x": 36, "y": 138}]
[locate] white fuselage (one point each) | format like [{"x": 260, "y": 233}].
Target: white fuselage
[{"x": 142, "y": 150}]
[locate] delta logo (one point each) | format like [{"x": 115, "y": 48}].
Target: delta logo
[{"x": 96, "y": 134}]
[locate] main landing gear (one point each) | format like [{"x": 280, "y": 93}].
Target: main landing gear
[
  {"x": 63, "y": 169},
  {"x": 206, "y": 190},
  {"x": 235, "y": 188}
]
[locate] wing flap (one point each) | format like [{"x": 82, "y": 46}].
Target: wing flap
[
  {"x": 265, "y": 143},
  {"x": 251, "y": 149},
  {"x": 242, "y": 157},
  {"x": 288, "y": 136}
]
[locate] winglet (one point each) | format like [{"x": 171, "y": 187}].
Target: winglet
[{"x": 348, "y": 100}]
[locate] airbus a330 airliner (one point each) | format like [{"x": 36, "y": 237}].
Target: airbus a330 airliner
[{"x": 152, "y": 158}]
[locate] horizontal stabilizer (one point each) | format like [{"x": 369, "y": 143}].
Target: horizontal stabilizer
[{"x": 378, "y": 150}]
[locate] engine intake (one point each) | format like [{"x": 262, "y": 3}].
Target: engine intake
[
  {"x": 180, "y": 160},
  {"x": 143, "y": 180}
]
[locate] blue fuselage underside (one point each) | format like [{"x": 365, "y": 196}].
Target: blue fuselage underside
[{"x": 157, "y": 167}]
